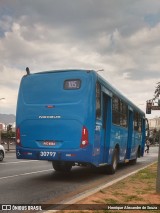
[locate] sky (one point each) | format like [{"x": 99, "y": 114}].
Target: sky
[{"x": 120, "y": 37}]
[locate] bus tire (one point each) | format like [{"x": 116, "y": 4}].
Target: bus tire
[
  {"x": 61, "y": 166},
  {"x": 134, "y": 161},
  {"x": 111, "y": 169}
]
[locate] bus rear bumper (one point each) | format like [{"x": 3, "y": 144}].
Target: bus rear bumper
[{"x": 78, "y": 155}]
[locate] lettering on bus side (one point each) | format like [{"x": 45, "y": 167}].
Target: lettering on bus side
[{"x": 98, "y": 128}]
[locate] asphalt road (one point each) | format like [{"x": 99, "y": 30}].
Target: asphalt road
[{"x": 35, "y": 182}]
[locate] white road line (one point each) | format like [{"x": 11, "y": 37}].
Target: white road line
[
  {"x": 25, "y": 161},
  {"x": 7, "y": 156},
  {"x": 24, "y": 174}
]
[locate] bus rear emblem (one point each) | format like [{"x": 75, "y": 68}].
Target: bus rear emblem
[{"x": 49, "y": 116}]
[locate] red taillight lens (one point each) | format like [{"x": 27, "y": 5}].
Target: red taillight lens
[
  {"x": 84, "y": 139},
  {"x": 18, "y": 139}
]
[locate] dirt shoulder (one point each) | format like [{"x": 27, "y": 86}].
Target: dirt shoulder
[{"x": 137, "y": 189}]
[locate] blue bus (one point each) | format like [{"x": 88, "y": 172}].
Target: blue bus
[{"x": 75, "y": 117}]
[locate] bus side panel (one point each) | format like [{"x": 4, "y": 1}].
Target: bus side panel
[
  {"x": 119, "y": 136},
  {"x": 97, "y": 147},
  {"x": 136, "y": 142}
]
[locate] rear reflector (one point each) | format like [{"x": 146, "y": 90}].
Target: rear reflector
[
  {"x": 18, "y": 139},
  {"x": 50, "y": 106},
  {"x": 84, "y": 138}
]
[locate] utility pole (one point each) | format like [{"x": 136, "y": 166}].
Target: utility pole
[
  {"x": 0, "y": 136},
  {"x": 157, "y": 93},
  {"x": 158, "y": 170},
  {"x": 0, "y": 129},
  {"x": 149, "y": 107}
]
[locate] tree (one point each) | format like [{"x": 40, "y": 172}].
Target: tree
[
  {"x": 9, "y": 128},
  {"x": 157, "y": 91}
]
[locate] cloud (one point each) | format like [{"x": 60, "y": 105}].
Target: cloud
[
  {"x": 9, "y": 83},
  {"x": 121, "y": 37}
]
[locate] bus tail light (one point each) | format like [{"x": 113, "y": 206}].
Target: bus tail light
[
  {"x": 84, "y": 138},
  {"x": 18, "y": 138}
]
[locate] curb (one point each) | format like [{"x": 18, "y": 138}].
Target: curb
[{"x": 90, "y": 192}]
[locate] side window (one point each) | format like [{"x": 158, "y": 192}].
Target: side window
[
  {"x": 137, "y": 122},
  {"x": 98, "y": 100},
  {"x": 115, "y": 110},
  {"x": 123, "y": 114},
  {"x": 140, "y": 124},
  {"x": 119, "y": 112}
]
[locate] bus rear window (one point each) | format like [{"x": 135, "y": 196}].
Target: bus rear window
[{"x": 72, "y": 84}]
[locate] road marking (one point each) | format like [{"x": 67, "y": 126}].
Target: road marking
[
  {"x": 12, "y": 156},
  {"x": 25, "y": 161},
  {"x": 24, "y": 174}
]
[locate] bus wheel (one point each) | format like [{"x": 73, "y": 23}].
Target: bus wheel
[
  {"x": 61, "y": 166},
  {"x": 111, "y": 169},
  {"x": 134, "y": 161}
]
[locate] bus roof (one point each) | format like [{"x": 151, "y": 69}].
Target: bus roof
[
  {"x": 103, "y": 81},
  {"x": 67, "y": 70}
]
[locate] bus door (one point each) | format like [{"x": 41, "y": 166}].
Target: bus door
[
  {"x": 130, "y": 132},
  {"x": 103, "y": 125},
  {"x": 106, "y": 124}
]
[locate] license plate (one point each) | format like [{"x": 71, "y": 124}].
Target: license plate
[
  {"x": 49, "y": 143},
  {"x": 47, "y": 154}
]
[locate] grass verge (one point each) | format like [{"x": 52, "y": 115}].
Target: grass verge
[{"x": 139, "y": 189}]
